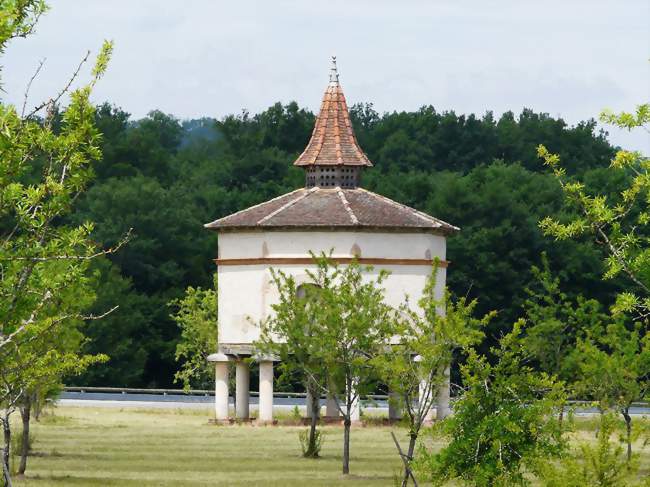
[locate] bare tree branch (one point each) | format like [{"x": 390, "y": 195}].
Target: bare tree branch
[
  {"x": 53, "y": 101},
  {"x": 29, "y": 86}
]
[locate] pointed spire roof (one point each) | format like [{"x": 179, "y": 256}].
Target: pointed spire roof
[{"x": 333, "y": 142}]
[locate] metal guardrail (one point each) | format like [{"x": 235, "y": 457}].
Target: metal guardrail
[
  {"x": 190, "y": 392},
  {"x": 205, "y": 392}
]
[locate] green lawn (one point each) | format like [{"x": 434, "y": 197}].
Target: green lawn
[
  {"x": 131, "y": 447},
  {"x": 83, "y": 446}
]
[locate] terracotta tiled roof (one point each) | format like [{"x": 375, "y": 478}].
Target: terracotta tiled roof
[
  {"x": 326, "y": 206},
  {"x": 333, "y": 142},
  {"x": 334, "y": 208}
]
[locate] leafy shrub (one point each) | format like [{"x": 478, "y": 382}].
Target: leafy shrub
[
  {"x": 303, "y": 436},
  {"x": 601, "y": 465}
]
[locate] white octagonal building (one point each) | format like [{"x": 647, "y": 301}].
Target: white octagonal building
[{"x": 331, "y": 213}]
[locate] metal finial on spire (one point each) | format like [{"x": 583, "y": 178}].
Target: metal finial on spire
[{"x": 334, "y": 74}]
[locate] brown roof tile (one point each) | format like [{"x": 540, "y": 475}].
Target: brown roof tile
[
  {"x": 334, "y": 208},
  {"x": 332, "y": 140}
]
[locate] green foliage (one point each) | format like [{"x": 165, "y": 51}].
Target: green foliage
[
  {"x": 613, "y": 360},
  {"x": 310, "y": 450},
  {"x": 330, "y": 331},
  {"x": 618, "y": 223},
  {"x": 196, "y": 315},
  {"x": 126, "y": 332},
  {"x": 504, "y": 422},
  {"x": 427, "y": 341},
  {"x": 44, "y": 284},
  {"x": 434, "y": 337},
  {"x": 18, "y": 18},
  {"x": 600, "y": 465},
  {"x": 554, "y": 324},
  {"x": 46, "y": 158},
  {"x": 498, "y": 207},
  {"x": 165, "y": 178},
  {"x": 614, "y": 369},
  {"x": 428, "y": 140},
  {"x": 614, "y": 365}
]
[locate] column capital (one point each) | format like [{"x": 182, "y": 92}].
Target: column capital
[
  {"x": 265, "y": 357},
  {"x": 218, "y": 357}
]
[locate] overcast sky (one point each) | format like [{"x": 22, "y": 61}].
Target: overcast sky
[{"x": 211, "y": 58}]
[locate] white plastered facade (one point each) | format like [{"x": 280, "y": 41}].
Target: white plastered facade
[{"x": 246, "y": 291}]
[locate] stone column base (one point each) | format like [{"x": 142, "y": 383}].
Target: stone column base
[
  {"x": 221, "y": 422},
  {"x": 260, "y": 422}
]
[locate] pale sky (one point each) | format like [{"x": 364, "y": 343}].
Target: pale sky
[{"x": 211, "y": 58}]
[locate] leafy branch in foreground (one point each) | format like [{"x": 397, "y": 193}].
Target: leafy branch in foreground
[
  {"x": 620, "y": 224},
  {"x": 46, "y": 160}
]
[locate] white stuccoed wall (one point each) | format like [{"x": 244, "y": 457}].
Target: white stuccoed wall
[{"x": 246, "y": 291}]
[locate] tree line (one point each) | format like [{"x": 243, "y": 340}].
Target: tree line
[{"x": 164, "y": 178}]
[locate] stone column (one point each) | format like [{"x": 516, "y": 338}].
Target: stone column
[
  {"x": 443, "y": 410},
  {"x": 309, "y": 399},
  {"x": 220, "y": 386},
  {"x": 394, "y": 407},
  {"x": 331, "y": 411},
  {"x": 266, "y": 392},
  {"x": 422, "y": 390},
  {"x": 242, "y": 389},
  {"x": 355, "y": 410},
  {"x": 428, "y": 415}
]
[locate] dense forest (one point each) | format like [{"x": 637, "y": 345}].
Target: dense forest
[{"x": 165, "y": 178}]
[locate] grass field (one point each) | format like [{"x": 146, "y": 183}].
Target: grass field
[
  {"x": 130, "y": 447},
  {"x": 109, "y": 447}
]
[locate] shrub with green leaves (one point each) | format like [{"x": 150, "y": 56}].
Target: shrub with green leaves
[
  {"x": 602, "y": 465},
  {"x": 310, "y": 449},
  {"x": 196, "y": 316},
  {"x": 504, "y": 423}
]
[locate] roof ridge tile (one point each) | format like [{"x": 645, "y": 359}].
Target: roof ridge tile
[
  {"x": 286, "y": 205},
  {"x": 419, "y": 213},
  {"x": 346, "y": 205},
  {"x": 215, "y": 222}
]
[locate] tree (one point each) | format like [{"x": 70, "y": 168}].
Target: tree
[
  {"x": 45, "y": 163},
  {"x": 614, "y": 369},
  {"x": 125, "y": 332},
  {"x": 196, "y": 315},
  {"x": 417, "y": 365},
  {"x": 554, "y": 324},
  {"x": 603, "y": 465},
  {"x": 291, "y": 333},
  {"x": 504, "y": 421},
  {"x": 619, "y": 223},
  {"x": 349, "y": 324},
  {"x": 499, "y": 206},
  {"x": 357, "y": 326}
]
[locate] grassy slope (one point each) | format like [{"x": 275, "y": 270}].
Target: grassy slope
[{"x": 83, "y": 446}]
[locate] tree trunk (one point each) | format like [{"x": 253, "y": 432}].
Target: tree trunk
[
  {"x": 407, "y": 465},
  {"x": 346, "y": 443},
  {"x": 6, "y": 430},
  {"x": 312, "y": 450},
  {"x": 628, "y": 432},
  {"x": 25, "y": 414}
]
